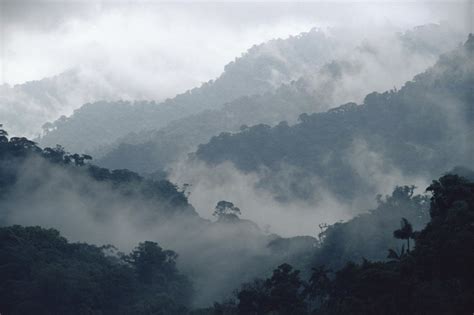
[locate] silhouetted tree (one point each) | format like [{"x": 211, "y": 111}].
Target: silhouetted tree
[
  {"x": 152, "y": 263},
  {"x": 3, "y": 135},
  {"x": 226, "y": 210},
  {"x": 283, "y": 293},
  {"x": 319, "y": 284},
  {"x": 405, "y": 232}
]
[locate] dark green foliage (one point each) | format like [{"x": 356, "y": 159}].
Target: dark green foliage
[
  {"x": 256, "y": 72},
  {"x": 444, "y": 249},
  {"x": 423, "y": 128},
  {"x": 319, "y": 284},
  {"x": 325, "y": 86},
  {"x": 370, "y": 235},
  {"x": 42, "y": 273},
  {"x": 283, "y": 293},
  {"x": 368, "y": 288},
  {"x": 405, "y": 232},
  {"x": 149, "y": 151},
  {"x": 226, "y": 211},
  {"x": 435, "y": 278},
  {"x": 15, "y": 153}
]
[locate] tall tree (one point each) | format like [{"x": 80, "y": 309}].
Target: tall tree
[{"x": 405, "y": 232}]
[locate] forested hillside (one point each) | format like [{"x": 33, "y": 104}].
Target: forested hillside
[
  {"x": 121, "y": 208},
  {"x": 150, "y": 151},
  {"x": 419, "y": 130},
  {"x": 52, "y": 188},
  {"x": 341, "y": 79},
  {"x": 229, "y": 158},
  {"x": 331, "y": 70},
  {"x": 27, "y": 178},
  {"x": 42, "y": 273},
  {"x": 262, "y": 68},
  {"x": 53, "y": 169},
  {"x": 434, "y": 277}
]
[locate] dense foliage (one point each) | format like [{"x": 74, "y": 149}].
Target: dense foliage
[
  {"x": 42, "y": 273},
  {"x": 423, "y": 128},
  {"x": 369, "y": 235},
  {"x": 317, "y": 89},
  {"x": 412, "y": 254},
  {"x": 16, "y": 153},
  {"x": 271, "y": 82},
  {"x": 149, "y": 151},
  {"x": 262, "y": 68},
  {"x": 435, "y": 278},
  {"x": 52, "y": 188}
]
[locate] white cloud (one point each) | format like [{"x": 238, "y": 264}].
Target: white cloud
[{"x": 168, "y": 47}]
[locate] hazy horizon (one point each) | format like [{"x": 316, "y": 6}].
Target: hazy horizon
[{"x": 152, "y": 40}]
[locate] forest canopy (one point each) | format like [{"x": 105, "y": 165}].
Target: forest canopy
[{"x": 325, "y": 173}]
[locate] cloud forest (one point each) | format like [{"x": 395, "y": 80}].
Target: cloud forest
[{"x": 236, "y": 158}]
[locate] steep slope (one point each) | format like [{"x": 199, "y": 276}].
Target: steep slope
[
  {"x": 262, "y": 68},
  {"x": 434, "y": 277},
  {"x": 53, "y": 189},
  {"x": 52, "y": 179},
  {"x": 150, "y": 151},
  {"x": 420, "y": 130},
  {"x": 371, "y": 66}
]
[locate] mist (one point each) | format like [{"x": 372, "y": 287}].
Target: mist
[
  {"x": 261, "y": 202},
  {"x": 217, "y": 256},
  {"x": 320, "y": 124},
  {"x": 155, "y": 50},
  {"x": 89, "y": 211}
]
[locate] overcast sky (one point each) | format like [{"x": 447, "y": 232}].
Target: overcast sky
[{"x": 178, "y": 45}]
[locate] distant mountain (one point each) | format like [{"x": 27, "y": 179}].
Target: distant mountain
[
  {"x": 371, "y": 66},
  {"x": 422, "y": 129},
  {"x": 149, "y": 151},
  {"x": 24, "y": 108},
  {"x": 262, "y": 68},
  {"x": 51, "y": 188}
]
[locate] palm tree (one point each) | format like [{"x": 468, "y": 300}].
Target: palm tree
[{"x": 405, "y": 232}]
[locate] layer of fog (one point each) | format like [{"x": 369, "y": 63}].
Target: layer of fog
[
  {"x": 212, "y": 254},
  {"x": 130, "y": 52},
  {"x": 379, "y": 62},
  {"x": 294, "y": 216},
  {"x": 50, "y": 98},
  {"x": 153, "y": 50},
  {"x": 345, "y": 70},
  {"x": 216, "y": 256}
]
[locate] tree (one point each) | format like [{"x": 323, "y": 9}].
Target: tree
[
  {"x": 226, "y": 210},
  {"x": 283, "y": 294},
  {"x": 152, "y": 263},
  {"x": 42, "y": 273},
  {"x": 319, "y": 284},
  {"x": 3, "y": 135},
  {"x": 286, "y": 291},
  {"x": 253, "y": 298},
  {"x": 405, "y": 232}
]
